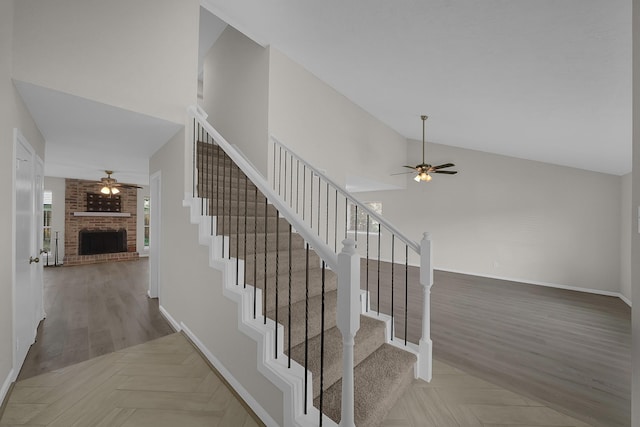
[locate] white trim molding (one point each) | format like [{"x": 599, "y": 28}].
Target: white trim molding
[{"x": 6, "y": 385}]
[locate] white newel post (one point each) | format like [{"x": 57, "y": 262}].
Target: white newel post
[
  {"x": 426, "y": 280},
  {"x": 348, "y": 322}
]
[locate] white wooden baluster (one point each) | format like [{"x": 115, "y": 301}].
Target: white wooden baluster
[
  {"x": 348, "y": 322},
  {"x": 426, "y": 280}
]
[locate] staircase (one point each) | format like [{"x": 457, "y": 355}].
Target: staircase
[{"x": 299, "y": 293}]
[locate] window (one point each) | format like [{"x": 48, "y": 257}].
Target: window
[
  {"x": 46, "y": 226},
  {"x": 358, "y": 218},
  {"x": 146, "y": 221}
]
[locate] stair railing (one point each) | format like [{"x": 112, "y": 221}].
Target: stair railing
[
  {"x": 333, "y": 213},
  {"x": 224, "y": 180}
]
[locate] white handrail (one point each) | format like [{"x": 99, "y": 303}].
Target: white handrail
[
  {"x": 413, "y": 245},
  {"x": 322, "y": 249}
]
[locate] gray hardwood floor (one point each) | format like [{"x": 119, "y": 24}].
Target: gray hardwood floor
[
  {"x": 571, "y": 350},
  {"x": 93, "y": 310}
]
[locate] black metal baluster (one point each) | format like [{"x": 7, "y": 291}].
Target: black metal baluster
[
  {"x": 322, "y": 345},
  {"x": 200, "y": 171},
  {"x": 319, "y": 202},
  {"x": 289, "y": 328},
  {"x": 379, "y": 228},
  {"x": 355, "y": 225},
  {"x": 264, "y": 294},
  {"x": 224, "y": 190},
  {"x": 212, "y": 184},
  {"x": 277, "y": 270},
  {"x": 255, "y": 250},
  {"x": 306, "y": 328},
  {"x": 393, "y": 263},
  {"x": 367, "y": 271},
  {"x": 406, "y": 291},
  {"x": 193, "y": 165},
  {"x": 246, "y": 213},
  {"x": 311, "y": 201},
  {"x": 237, "y": 226},
  {"x": 335, "y": 226},
  {"x": 218, "y": 223}
]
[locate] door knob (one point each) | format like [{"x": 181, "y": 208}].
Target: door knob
[{"x": 32, "y": 259}]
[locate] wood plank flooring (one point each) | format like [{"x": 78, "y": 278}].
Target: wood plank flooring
[
  {"x": 93, "y": 310},
  {"x": 570, "y": 350}
]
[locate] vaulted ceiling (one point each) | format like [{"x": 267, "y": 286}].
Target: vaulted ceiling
[{"x": 544, "y": 80}]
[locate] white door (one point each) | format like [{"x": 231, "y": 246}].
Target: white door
[
  {"x": 26, "y": 291},
  {"x": 154, "y": 235}
]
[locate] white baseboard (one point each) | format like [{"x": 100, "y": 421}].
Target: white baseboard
[
  {"x": 546, "y": 284},
  {"x": 5, "y": 386},
  {"x": 242, "y": 392},
  {"x": 174, "y": 323}
]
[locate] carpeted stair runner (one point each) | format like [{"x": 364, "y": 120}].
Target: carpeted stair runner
[{"x": 382, "y": 371}]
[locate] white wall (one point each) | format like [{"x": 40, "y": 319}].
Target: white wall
[
  {"x": 513, "y": 218},
  {"x": 235, "y": 81},
  {"x": 13, "y": 113},
  {"x": 57, "y": 188},
  {"x": 328, "y": 130},
  {"x": 139, "y": 55},
  {"x": 191, "y": 291},
  {"x": 142, "y": 193},
  {"x": 627, "y": 222},
  {"x": 635, "y": 204}
]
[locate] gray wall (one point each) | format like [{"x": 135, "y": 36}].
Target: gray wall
[
  {"x": 13, "y": 114},
  {"x": 627, "y": 222},
  {"x": 236, "y": 79},
  {"x": 512, "y": 218},
  {"x": 635, "y": 204}
]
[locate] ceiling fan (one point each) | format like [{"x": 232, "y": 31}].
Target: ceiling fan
[
  {"x": 110, "y": 185},
  {"x": 424, "y": 169}
]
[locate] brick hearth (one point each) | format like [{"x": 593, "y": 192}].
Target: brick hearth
[{"x": 76, "y": 201}]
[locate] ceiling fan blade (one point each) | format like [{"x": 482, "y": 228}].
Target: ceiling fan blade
[
  {"x": 410, "y": 167},
  {"x": 446, "y": 172},
  {"x": 128, "y": 186},
  {"x": 401, "y": 173},
  {"x": 446, "y": 165}
]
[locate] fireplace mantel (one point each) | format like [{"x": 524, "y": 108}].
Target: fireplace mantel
[{"x": 112, "y": 214}]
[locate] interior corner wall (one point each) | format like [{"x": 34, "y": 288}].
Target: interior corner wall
[
  {"x": 635, "y": 215},
  {"x": 235, "y": 91},
  {"x": 57, "y": 187},
  {"x": 626, "y": 224},
  {"x": 514, "y": 219},
  {"x": 191, "y": 292},
  {"x": 13, "y": 114},
  {"x": 329, "y": 130},
  {"x": 138, "y": 55}
]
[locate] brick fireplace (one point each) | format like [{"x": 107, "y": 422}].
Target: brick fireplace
[{"x": 79, "y": 221}]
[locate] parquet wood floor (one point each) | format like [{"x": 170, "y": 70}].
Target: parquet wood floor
[{"x": 162, "y": 383}]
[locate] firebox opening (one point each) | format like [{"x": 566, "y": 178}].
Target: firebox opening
[{"x": 93, "y": 242}]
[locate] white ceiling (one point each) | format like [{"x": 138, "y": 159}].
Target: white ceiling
[
  {"x": 545, "y": 80},
  {"x": 85, "y": 137}
]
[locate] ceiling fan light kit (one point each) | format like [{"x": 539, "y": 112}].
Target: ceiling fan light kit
[
  {"x": 110, "y": 185},
  {"x": 425, "y": 170}
]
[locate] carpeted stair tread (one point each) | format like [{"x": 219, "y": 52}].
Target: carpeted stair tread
[
  {"x": 298, "y": 288},
  {"x": 229, "y": 225},
  {"x": 256, "y": 242},
  {"x": 315, "y": 320},
  {"x": 233, "y": 207},
  {"x": 369, "y": 337},
  {"x": 298, "y": 263},
  {"x": 379, "y": 380}
]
